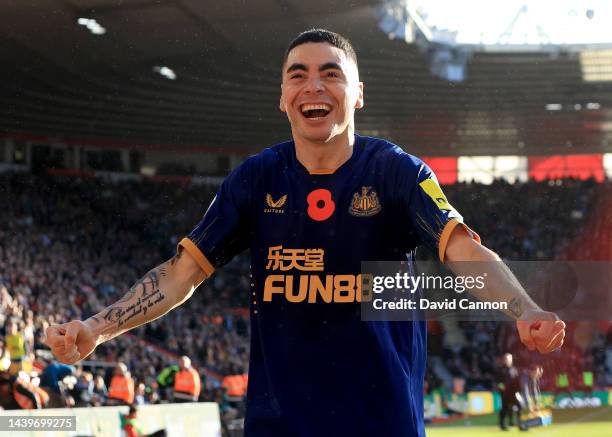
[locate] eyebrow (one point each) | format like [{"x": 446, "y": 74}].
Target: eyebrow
[
  {"x": 295, "y": 67},
  {"x": 326, "y": 66},
  {"x": 330, "y": 66}
]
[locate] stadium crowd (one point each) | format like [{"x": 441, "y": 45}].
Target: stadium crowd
[{"x": 70, "y": 246}]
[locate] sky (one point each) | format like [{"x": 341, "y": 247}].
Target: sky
[{"x": 484, "y": 21}]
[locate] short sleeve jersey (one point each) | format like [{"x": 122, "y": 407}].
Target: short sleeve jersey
[{"x": 317, "y": 369}]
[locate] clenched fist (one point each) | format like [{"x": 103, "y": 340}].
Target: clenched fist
[
  {"x": 541, "y": 330},
  {"x": 70, "y": 342}
]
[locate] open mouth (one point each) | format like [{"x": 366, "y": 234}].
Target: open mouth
[{"x": 315, "y": 111}]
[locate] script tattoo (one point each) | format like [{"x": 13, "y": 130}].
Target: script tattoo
[
  {"x": 148, "y": 294},
  {"x": 514, "y": 306},
  {"x": 113, "y": 314}
]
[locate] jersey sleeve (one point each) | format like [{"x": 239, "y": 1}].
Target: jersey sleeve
[
  {"x": 431, "y": 216},
  {"x": 224, "y": 231}
]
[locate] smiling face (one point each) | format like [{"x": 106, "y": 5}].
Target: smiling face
[{"x": 320, "y": 92}]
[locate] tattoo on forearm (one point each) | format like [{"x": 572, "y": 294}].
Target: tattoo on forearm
[
  {"x": 515, "y": 307},
  {"x": 149, "y": 295},
  {"x": 175, "y": 258}
]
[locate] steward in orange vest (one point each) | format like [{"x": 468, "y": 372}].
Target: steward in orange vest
[
  {"x": 121, "y": 391},
  {"x": 187, "y": 382},
  {"x": 236, "y": 385}
]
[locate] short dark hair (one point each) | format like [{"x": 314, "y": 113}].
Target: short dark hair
[{"x": 325, "y": 36}]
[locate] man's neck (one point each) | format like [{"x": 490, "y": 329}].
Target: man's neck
[{"x": 327, "y": 156}]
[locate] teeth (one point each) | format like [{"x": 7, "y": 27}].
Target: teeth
[{"x": 310, "y": 107}]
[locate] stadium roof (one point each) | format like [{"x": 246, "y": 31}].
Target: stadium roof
[
  {"x": 520, "y": 21},
  {"x": 112, "y": 79}
]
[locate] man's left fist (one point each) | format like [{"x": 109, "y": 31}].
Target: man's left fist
[{"x": 541, "y": 330}]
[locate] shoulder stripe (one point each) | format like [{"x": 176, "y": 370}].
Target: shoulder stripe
[
  {"x": 197, "y": 255},
  {"x": 446, "y": 233}
]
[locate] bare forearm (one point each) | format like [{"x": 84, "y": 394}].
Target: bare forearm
[
  {"x": 502, "y": 285},
  {"x": 472, "y": 259},
  {"x": 152, "y": 296},
  {"x": 538, "y": 329}
]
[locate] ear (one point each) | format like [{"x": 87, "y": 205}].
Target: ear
[{"x": 359, "y": 104}]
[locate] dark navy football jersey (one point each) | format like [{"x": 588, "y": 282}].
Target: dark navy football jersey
[{"x": 317, "y": 369}]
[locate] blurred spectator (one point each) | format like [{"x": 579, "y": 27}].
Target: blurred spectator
[
  {"x": 17, "y": 392},
  {"x": 83, "y": 388},
  {"x": 140, "y": 397},
  {"x": 131, "y": 427},
  {"x": 50, "y": 379},
  {"x": 17, "y": 346},
  {"x": 165, "y": 381},
  {"x": 99, "y": 393},
  {"x": 5, "y": 356}
]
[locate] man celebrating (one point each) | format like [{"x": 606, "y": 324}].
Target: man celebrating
[{"x": 311, "y": 210}]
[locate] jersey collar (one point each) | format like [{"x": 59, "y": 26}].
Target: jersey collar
[{"x": 357, "y": 149}]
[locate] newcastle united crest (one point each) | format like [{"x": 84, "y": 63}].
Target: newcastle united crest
[{"x": 365, "y": 205}]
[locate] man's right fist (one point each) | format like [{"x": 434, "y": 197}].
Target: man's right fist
[{"x": 70, "y": 342}]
